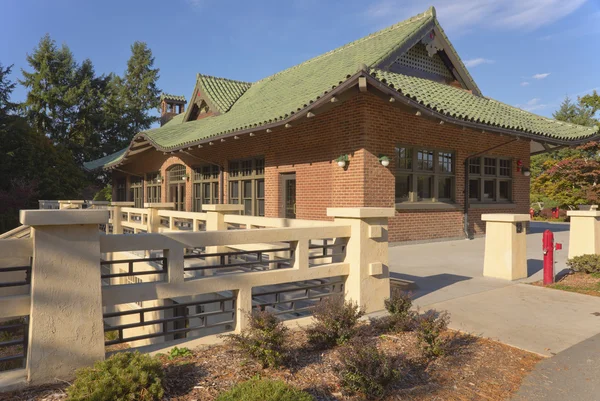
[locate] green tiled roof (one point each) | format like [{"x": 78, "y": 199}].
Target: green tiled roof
[
  {"x": 222, "y": 92},
  {"x": 166, "y": 96},
  {"x": 245, "y": 106},
  {"x": 463, "y": 105}
]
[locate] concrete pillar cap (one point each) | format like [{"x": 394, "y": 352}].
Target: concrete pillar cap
[
  {"x": 126, "y": 204},
  {"x": 583, "y": 213},
  {"x": 222, "y": 208},
  {"x": 63, "y": 217},
  {"x": 505, "y": 217},
  {"x": 160, "y": 205},
  {"x": 360, "y": 212}
]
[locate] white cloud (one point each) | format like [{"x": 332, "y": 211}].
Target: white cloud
[
  {"x": 460, "y": 16},
  {"x": 478, "y": 61},
  {"x": 525, "y": 83},
  {"x": 533, "y": 104},
  {"x": 541, "y": 76}
]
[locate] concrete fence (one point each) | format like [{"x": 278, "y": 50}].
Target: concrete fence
[{"x": 67, "y": 298}]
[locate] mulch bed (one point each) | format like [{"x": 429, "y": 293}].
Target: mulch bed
[
  {"x": 472, "y": 369},
  {"x": 583, "y": 283}
]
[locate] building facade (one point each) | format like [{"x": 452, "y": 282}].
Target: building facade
[{"x": 408, "y": 126}]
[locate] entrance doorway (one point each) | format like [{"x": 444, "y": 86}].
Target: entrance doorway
[
  {"x": 288, "y": 185},
  {"x": 177, "y": 195},
  {"x": 176, "y": 186}
]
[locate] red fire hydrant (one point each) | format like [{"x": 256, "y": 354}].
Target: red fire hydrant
[{"x": 548, "y": 247}]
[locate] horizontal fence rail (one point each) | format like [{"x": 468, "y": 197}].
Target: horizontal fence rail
[
  {"x": 179, "y": 315},
  {"x": 298, "y": 299},
  {"x": 130, "y": 263},
  {"x": 13, "y": 343}
]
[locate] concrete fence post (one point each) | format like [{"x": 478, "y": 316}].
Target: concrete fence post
[
  {"x": 153, "y": 217},
  {"x": 368, "y": 283},
  {"x": 505, "y": 246},
  {"x": 118, "y": 215},
  {"x": 584, "y": 235},
  {"x": 66, "y": 330}
]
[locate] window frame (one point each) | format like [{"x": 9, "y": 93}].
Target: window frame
[
  {"x": 496, "y": 178},
  {"x": 121, "y": 189},
  {"x": 153, "y": 187},
  {"x": 205, "y": 174},
  {"x": 247, "y": 169},
  {"x": 136, "y": 191},
  {"x": 411, "y": 168}
]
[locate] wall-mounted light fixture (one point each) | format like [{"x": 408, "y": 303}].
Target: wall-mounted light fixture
[
  {"x": 384, "y": 160},
  {"x": 158, "y": 179},
  {"x": 342, "y": 160},
  {"x": 526, "y": 172}
]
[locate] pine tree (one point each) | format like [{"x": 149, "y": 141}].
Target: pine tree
[
  {"x": 140, "y": 89},
  {"x": 575, "y": 113},
  {"x": 65, "y": 99},
  {"x": 6, "y": 88}
]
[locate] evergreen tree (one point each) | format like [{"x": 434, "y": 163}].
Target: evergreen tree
[
  {"x": 65, "y": 99},
  {"x": 6, "y": 88},
  {"x": 140, "y": 89},
  {"x": 575, "y": 113}
]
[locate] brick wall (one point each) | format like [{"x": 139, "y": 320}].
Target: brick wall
[
  {"x": 388, "y": 126},
  {"x": 363, "y": 127}
]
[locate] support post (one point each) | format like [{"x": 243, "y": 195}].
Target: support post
[
  {"x": 584, "y": 235},
  {"x": 66, "y": 330},
  {"x": 118, "y": 215},
  {"x": 368, "y": 283},
  {"x": 505, "y": 246},
  {"x": 215, "y": 221},
  {"x": 153, "y": 217}
]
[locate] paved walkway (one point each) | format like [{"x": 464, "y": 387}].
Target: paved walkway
[
  {"x": 540, "y": 320},
  {"x": 573, "y": 374}
]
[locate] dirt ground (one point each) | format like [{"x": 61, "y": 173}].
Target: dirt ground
[
  {"x": 472, "y": 369},
  {"x": 582, "y": 283}
]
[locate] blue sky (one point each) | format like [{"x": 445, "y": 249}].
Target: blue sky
[{"x": 528, "y": 53}]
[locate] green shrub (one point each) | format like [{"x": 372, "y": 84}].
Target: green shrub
[
  {"x": 429, "y": 328},
  {"x": 401, "y": 317},
  {"x": 124, "y": 376},
  {"x": 585, "y": 263},
  {"x": 366, "y": 370},
  {"x": 176, "y": 352},
  {"x": 336, "y": 322},
  {"x": 264, "y": 339},
  {"x": 258, "y": 389}
]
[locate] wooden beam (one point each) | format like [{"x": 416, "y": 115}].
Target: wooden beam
[{"x": 362, "y": 84}]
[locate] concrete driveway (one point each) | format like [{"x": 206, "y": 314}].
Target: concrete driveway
[{"x": 449, "y": 277}]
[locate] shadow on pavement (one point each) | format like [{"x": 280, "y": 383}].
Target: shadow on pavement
[
  {"x": 534, "y": 266},
  {"x": 429, "y": 284}
]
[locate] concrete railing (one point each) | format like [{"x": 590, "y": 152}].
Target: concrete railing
[{"x": 66, "y": 308}]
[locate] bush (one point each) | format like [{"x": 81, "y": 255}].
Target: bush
[
  {"x": 336, "y": 322},
  {"x": 585, "y": 263},
  {"x": 429, "y": 329},
  {"x": 401, "y": 317},
  {"x": 263, "y": 340},
  {"x": 176, "y": 352},
  {"x": 258, "y": 389},
  {"x": 124, "y": 376},
  {"x": 366, "y": 370}
]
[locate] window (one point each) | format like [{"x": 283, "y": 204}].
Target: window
[
  {"x": 493, "y": 183},
  {"x": 136, "y": 191},
  {"x": 121, "y": 191},
  {"x": 177, "y": 173},
  {"x": 247, "y": 185},
  {"x": 206, "y": 186},
  {"x": 424, "y": 175},
  {"x": 153, "y": 187}
]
